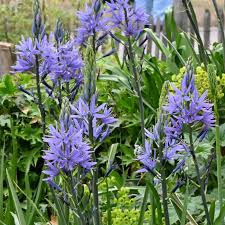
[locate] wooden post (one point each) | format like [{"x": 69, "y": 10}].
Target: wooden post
[
  {"x": 180, "y": 15},
  {"x": 6, "y": 57},
  {"x": 149, "y": 44},
  {"x": 206, "y": 27},
  {"x": 157, "y": 30},
  {"x": 163, "y": 57},
  {"x": 220, "y": 38}
]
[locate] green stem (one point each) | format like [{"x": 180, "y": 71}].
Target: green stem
[
  {"x": 60, "y": 93},
  {"x": 198, "y": 176},
  {"x": 138, "y": 90},
  {"x": 95, "y": 194},
  {"x": 218, "y": 155},
  {"x": 144, "y": 205},
  {"x": 91, "y": 87},
  {"x": 80, "y": 214},
  {"x": 14, "y": 159},
  {"x": 40, "y": 104},
  {"x": 142, "y": 117},
  {"x": 109, "y": 214},
  {"x": 164, "y": 185}
]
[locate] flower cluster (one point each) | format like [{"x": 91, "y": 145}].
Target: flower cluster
[
  {"x": 173, "y": 149},
  {"x": 63, "y": 62},
  {"x": 26, "y": 52},
  {"x": 101, "y": 118},
  {"x": 124, "y": 16},
  {"x": 67, "y": 149},
  {"x": 69, "y": 64},
  {"x": 186, "y": 109},
  {"x": 91, "y": 22}
]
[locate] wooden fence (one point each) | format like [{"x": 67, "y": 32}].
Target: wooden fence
[{"x": 208, "y": 33}]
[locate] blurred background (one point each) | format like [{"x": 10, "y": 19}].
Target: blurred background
[
  {"x": 16, "y": 15},
  {"x": 16, "y": 19}
]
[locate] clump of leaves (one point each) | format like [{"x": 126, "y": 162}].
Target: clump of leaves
[{"x": 125, "y": 209}]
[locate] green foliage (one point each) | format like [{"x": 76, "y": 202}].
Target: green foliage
[{"x": 125, "y": 210}]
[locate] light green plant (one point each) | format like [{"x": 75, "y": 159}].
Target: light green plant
[{"x": 125, "y": 209}]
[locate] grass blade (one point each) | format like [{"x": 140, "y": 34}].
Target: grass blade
[
  {"x": 2, "y": 175},
  {"x": 17, "y": 205}
]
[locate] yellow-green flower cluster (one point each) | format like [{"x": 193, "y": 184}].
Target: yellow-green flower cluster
[
  {"x": 125, "y": 210},
  {"x": 202, "y": 81}
]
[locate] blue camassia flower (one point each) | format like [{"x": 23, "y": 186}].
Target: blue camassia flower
[
  {"x": 26, "y": 52},
  {"x": 91, "y": 22},
  {"x": 102, "y": 120},
  {"x": 67, "y": 150},
  {"x": 172, "y": 149},
  {"x": 63, "y": 62},
  {"x": 124, "y": 16},
  {"x": 186, "y": 108},
  {"x": 69, "y": 64}
]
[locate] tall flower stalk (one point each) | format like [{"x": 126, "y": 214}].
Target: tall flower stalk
[
  {"x": 132, "y": 21},
  {"x": 200, "y": 181},
  {"x": 91, "y": 23},
  {"x": 195, "y": 113},
  {"x": 213, "y": 87},
  {"x": 38, "y": 32}
]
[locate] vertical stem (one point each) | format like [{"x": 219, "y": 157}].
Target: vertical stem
[
  {"x": 80, "y": 214},
  {"x": 40, "y": 104},
  {"x": 142, "y": 117},
  {"x": 92, "y": 90},
  {"x": 109, "y": 215},
  {"x": 13, "y": 172},
  {"x": 200, "y": 182},
  {"x": 95, "y": 194},
  {"x": 218, "y": 155},
  {"x": 164, "y": 185},
  {"x": 138, "y": 90},
  {"x": 60, "y": 93}
]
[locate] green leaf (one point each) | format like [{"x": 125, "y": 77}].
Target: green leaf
[
  {"x": 59, "y": 207},
  {"x": 2, "y": 176},
  {"x": 204, "y": 150},
  {"x": 16, "y": 220},
  {"x": 222, "y": 135},
  {"x": 5, "y": 120},
  {"x": 184, "y": 210},
  {"x": 158, "y": 42},
  {"x": 212, "y": 210},
  {"x": 220, "y": 218},
  {"x": 17, "y": 205},
  {"x": 157, "y": 201},
  {"x": 33, "y": 205},
  {"x": 112, "y": 154},
  {"x": 8, "y": 86}
]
